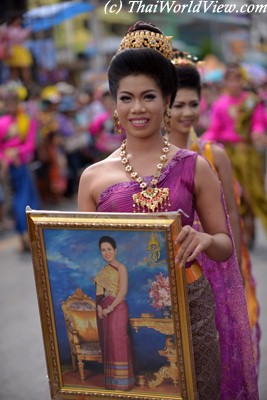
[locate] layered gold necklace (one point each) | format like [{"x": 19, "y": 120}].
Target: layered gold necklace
[{"x": 150, "y": 198}]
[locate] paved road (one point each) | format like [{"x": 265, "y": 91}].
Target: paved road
[{"x": 23, "y": 373}]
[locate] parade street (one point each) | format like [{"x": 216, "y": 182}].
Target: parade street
[{"x": 23, "y": 374}]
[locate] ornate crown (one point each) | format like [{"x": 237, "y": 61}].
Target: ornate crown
[
  {"x": 144, "y": 38},
  {"x": 184, "y": 58}
]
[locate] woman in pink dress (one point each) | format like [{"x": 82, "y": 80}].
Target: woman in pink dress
[
  {"x": 112, "y": 318},
  {"x": 148, "y": 174},
  {"x": 262, "y": 92},
  {"x": 237, "y": 121},
  {"x": 17, "y": 147}
]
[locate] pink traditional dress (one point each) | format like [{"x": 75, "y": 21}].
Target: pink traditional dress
[
  {"x": 263, "y": 106},
  {"x": 238, "y": 378},
  {"x": 19, "y": 133},
  {"x": 232, "y": 122},
  {"x": 113, "y": 336}
]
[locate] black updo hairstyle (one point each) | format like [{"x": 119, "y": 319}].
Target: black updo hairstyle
[
  {"x": 188, "y": 78},
  {"x": 187, "y": 73},
  {"x": 146, "y": 61},
  {"x": 107, "y": 239}
]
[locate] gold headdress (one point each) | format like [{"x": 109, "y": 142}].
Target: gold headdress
[
  {"x": 184, "y": 58},
  {"x": 145, "y": 38}
]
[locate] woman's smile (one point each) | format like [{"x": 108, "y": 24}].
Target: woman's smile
[
  {"x": 187, "y": 122},
  {"x": 139, "y": 122}
]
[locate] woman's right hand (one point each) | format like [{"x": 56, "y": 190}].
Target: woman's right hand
[
  {"x": 100, "y": 312},
  {"x": 191, "y": 243}
]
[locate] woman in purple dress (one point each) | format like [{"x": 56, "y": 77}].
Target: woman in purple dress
[
  {"x": 148, "y": 174},
  {"x": 184, "y": 116}
]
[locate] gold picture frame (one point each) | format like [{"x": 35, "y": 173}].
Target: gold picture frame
[{"x": 66, "y": 259}]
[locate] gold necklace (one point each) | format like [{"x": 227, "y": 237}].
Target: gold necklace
[{"x": 151, "y": 198}]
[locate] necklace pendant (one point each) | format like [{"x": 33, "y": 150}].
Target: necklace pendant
[{"x": 151, "y": 199}]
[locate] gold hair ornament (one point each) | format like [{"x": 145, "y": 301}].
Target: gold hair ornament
[
  {"x": 184, "y": 58},
  {"x": 152, "y": 40}
]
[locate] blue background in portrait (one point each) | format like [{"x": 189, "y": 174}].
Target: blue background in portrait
[{"x": 74, "y": 259}]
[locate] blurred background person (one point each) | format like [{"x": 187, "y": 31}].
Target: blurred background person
[
  {"x": 262, "y": 92},
  {"x": 237, "y": 122},
  {"x": 211, "y": 70},
  {"x": 2, "y": 50},
  {"x": 18, "y": 57},
  {"x": 42, "y": 48},
  {"x": 93, "y": 104},
  {"x": 51, "y": 165},
  {"x": 105, "y": 139},
  {"x": 74, "y": 139},
  {"x": 17, "y": 147},
  {"x": 210, "y": 91},
  {"x": 83, "y": 117},
  {"x": 33, "y": 103}
]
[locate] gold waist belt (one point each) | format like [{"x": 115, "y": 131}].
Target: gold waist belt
[{"x": 193, "y": 273}]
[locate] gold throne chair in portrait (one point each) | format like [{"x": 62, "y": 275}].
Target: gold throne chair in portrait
[{"x": 80, "y": 317}]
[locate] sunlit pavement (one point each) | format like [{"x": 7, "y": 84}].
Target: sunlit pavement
[{"x": 23, "y": 374}]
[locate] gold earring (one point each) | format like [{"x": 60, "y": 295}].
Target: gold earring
[
  {"x": 167, "y": 120},
  {"x": 117, "y": 125}
]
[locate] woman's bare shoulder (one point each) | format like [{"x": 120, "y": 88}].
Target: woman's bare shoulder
[
  {"x": 100, "y": 167},
  {"x": 219, "y": 151},
  {"x": 122, "y": 267},
  {"x": 202, "y": 164},
  {"x": 221, "y": 158},
  {"x": 204, "y": 174},
  {"x": 97, "y": 177},
  {"x": 90, "y": 171}
]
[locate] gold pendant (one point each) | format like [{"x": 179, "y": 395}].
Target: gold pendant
[{"x": 151, "y": 199}]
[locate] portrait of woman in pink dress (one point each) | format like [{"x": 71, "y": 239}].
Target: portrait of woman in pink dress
[{"x": 113, "y": 319}]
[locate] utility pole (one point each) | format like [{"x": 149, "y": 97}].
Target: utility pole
[{"x": 98, "y": 61}]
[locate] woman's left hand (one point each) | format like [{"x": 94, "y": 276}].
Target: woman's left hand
[
  {"x": 105, "y": 312},
  {"x": 191, "y": 243}
]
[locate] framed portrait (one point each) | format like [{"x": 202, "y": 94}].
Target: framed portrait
[{"x": 113, "y": 305}]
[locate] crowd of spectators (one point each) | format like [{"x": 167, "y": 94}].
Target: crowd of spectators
[{"x": 73, "y": 128}]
